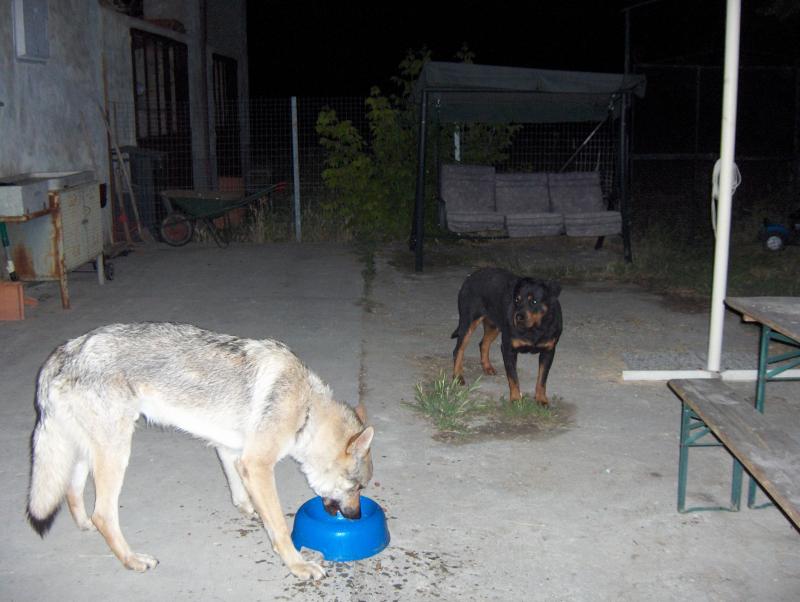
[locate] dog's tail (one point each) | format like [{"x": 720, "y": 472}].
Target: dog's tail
[{"x": 53, "y": 456}]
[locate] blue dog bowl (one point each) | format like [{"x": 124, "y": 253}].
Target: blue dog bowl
[{"x": 338, "y": 538}]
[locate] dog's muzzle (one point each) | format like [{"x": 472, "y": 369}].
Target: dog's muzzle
[
  {"x": 332, "y": 507},
  {"x": 527, "y": 319},
  {"x": 523, "y": 318}
]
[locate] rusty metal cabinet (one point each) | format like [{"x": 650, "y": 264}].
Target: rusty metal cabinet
[
  {"x": 81, "y": 224},
  {"x": 46, "y": 244}
]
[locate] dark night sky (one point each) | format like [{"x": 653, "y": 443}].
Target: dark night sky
[{"x": 342, "y": 48}]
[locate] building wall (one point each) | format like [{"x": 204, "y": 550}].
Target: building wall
[
  {"x": 227, "y": 31},
  {"x": 229, "y": 36},
  {"x": 51, "y": 116}
]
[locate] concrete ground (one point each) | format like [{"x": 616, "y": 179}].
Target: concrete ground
[{"x": 583, "y": 513}]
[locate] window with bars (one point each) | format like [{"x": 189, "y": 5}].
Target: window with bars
[{"x": 161, "y": 102}]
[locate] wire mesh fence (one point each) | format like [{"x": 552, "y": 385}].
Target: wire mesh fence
[
  {"x": 553, "y": 147},
  {"x": 248, "y": 146},
  {"x": 677, "y": 139},
  {"x": 245, "y": 147}
]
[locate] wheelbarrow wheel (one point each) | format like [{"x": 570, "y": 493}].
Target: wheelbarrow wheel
[{"x": 176, "y": 229}]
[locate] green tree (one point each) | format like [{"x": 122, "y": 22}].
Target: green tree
[{"x": 373, "y": 180}]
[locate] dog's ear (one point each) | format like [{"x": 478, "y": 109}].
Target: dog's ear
[
  {"x": 554, "y": 288},
  {"x": 361, "y": 412},
  {"x": 359, "y": 445}
]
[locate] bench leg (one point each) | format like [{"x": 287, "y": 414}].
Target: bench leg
[
  {"x": 736, "y": 485},
  {"x": 683, "y": 456},
  {"x": 693, "y": 429},
  {"x": 763, "y": 360},
  {"x": 761, "y": 381}
]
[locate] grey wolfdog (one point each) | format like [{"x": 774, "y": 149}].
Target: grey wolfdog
[{"x": 253, "y": 400}]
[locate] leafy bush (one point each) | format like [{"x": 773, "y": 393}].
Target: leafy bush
[{"x": 374, "y": 180}]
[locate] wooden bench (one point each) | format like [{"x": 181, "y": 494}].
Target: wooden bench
[{"x": 767, "y": 448}]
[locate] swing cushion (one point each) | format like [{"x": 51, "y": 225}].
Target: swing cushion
[
  {"x": 522, "y": 193},
  {"x": 476, "y": 199},
  {"x": 525, "y": 225},
  {"x": 575, "y": 192},
  {"x": 468, "y": 188}
]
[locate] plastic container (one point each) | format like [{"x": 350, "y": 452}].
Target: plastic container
[{"x": 341, "y": 539}]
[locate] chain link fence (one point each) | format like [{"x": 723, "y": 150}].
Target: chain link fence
[{"x": 677, "y": 139}]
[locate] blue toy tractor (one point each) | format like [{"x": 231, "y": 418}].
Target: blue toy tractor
[{"x": 776, "y": 236}]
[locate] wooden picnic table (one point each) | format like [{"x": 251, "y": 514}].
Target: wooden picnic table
[
  {"x": 781, "y": 314},
  {"x": 779, "y": 318},
  {"x": 758, "y": 442},
  {"x": 768, "y": 448}
]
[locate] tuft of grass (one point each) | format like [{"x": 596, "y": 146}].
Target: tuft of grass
[
  {"x": 525, "y": 408},
  {"x": 366, "y": 252},
  {"x": 447, "y": 402},
  {"x": 274, "y": 222}
]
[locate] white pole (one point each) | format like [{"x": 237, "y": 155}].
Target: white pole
[
  {"x": 727, "y": 153},
  {"x": 296, "y": 170}
]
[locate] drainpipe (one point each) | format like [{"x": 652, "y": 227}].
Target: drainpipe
[
  {"x": 418, "y": 231},
  {"x": 210, "y": 174}
]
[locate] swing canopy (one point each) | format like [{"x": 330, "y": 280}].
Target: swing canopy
[{"x": 462, "y": 92}]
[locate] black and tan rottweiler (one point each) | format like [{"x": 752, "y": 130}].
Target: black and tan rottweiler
[{"x": 525, "y": 311}]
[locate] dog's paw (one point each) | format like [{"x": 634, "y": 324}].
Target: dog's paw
[
  {"x": 489, "y": 370},
  {"x": 306, "y": 570},
  {"x": 140, "y": 562},
  {"x": 246, "y": 508},
  {"x": 85, "y": 524}
]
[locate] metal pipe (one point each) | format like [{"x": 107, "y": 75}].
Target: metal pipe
[
  {"x": 623, "y": 178},
  {"x": 623, "y": 143},
  {"x": 587, "y": 139},
  {"x": 419, "y": 202},
  {"x": 296, "y": 173},
  {"x": 727, "y": 153},
  {"x": 210, "y": 172}
]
